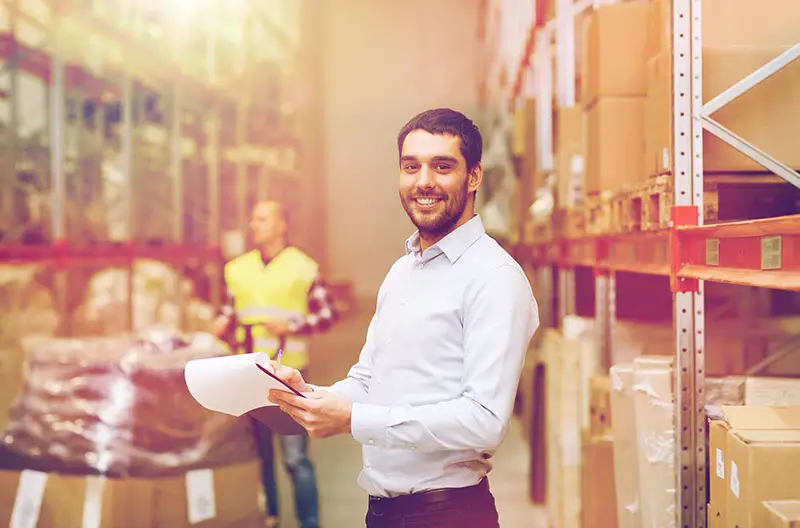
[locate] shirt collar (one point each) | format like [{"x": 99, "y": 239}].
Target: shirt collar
[{"x": 455, "y": 243}]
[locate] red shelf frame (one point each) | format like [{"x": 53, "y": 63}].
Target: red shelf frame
[
  {"x": 763, "y": 253},
  {"x": 62, "y": 256}
]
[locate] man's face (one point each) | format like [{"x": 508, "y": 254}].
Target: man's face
[
  {"x": 434, "y": 182},
  {"x": 266, "y": 223}
]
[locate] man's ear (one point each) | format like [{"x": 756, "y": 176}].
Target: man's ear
[{"x": 475, "y": 178}]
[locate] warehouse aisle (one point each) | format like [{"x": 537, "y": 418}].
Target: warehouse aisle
[{"x": 338, "y": 460}]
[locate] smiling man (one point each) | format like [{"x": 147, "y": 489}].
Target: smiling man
[{"x": 432, "y": 394}]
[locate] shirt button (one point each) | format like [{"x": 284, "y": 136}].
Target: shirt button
[
  {"x": 371, "y": 441},
  {"x": 389, "y": 341}
]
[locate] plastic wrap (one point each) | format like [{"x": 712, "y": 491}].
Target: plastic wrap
[
  {"x": 155, "y": 288},
  {"x": 119, "y": 406},
  {"x": 655, "y": 438},
  {"x": 772, "y": 392},
  {"x": 723, "y": 391}
]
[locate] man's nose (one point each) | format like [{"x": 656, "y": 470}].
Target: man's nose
[{"x": 425, "y": 179}]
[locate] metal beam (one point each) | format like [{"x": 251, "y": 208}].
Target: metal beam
[
  {"x": 764, "y": 72},
  {"x": 751, "y": 151}
]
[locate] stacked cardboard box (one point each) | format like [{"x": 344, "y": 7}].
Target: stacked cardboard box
[
  {"x": 571, "y": 359},
  {"x": 598, "y": 494},
  {"x": 734, "y": 45},
  {"x": 613, "y": 96},
  {"x": 755, "y": 454},
  {"x": 224, "y": 496},
  {"x": 782, "y": 514}
]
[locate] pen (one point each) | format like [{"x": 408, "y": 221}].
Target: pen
[{"x": 281, "y": 344}]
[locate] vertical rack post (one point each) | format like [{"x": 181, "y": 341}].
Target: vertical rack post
[
  {"x": 605, "y": 300},
  {"x": 212, "y": 174},
  {"x": 58, "y": 189},
  {"x": 175, "y": 162},
  {"x": 566, "y": 296},
  {"x": 241, "y": 169},
  {"x": 698, "y": 357},
  {"x": 12, "y": 68},
  {"x": 690, "y": 424},
  {"x": 127, "y": 176}
]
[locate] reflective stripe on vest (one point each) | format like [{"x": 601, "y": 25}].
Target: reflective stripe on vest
[{"x": 267, "y": 311}]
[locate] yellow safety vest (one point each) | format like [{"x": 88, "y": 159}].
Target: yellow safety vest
[{"x": 276, "y": 291}]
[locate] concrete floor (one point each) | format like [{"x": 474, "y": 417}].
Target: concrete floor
[{"x": 338, "y": 460}]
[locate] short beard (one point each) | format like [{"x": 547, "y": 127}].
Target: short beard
[{"x": 440, "y": 225}]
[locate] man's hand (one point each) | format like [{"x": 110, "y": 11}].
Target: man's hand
[
  {"x": 321, "y": 413},
  {"x": 289, "y": 376},
  {"x": 278, "y": 327}
]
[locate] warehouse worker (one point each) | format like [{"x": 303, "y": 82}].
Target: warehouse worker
[
  {"x": 433, "y": 391},
  {"x": 275, "y": 296}
]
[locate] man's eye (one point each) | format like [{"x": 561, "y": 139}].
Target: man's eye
[
  {"x": 411, "y": 168},
  {"x": 441, "y": 167}
]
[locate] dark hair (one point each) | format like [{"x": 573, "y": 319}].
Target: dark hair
[{"x": 446, "y": 121}]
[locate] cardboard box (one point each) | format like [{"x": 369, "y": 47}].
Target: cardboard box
[
  {"x": 614, "y": 52},
  {"x": 772, "y": 392},
  {"x": 614, "y": 144},
  {"x": 763, "y": 443},
  {"x": 226, "y": 496},
  {"x": 598, "y": 493},
  {"x": 718, "y": 472},
  {"x": 782, "y": 514},
  {"x": 730, "y": 23},
  {"x": 569, "y": 145},
  {"x": 600, "y": 407},
  {"x": 767, "y": 115}
]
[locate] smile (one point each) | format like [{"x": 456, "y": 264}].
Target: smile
[{"x": 426, "y": 202}]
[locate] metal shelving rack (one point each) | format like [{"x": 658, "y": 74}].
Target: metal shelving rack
[
  {"x": 143, "y": 52},
  {"x": 762, "y": 253}
]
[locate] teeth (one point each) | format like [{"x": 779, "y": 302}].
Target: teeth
[{"x": 426, "y": 201}]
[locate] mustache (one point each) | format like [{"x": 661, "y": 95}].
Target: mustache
[{"x": 416, "y": 196}]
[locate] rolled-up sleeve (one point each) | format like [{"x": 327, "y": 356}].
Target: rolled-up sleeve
[{"x": 500, "y": 318}]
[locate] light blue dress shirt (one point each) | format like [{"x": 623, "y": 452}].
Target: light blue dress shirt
[{"x": 434, "y": 387}]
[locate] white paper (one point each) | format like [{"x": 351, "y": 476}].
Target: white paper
[
  {"x": 734, "y": 479},
  {"x": 28, "y": 502},
  {"x": 201, "y": 502},
  {"x": 231, "y": 384},
  {"x": 93, "y": 502},
  {"x": 720, "y": 464}
]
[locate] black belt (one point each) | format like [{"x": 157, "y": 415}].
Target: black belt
[{"x": 424, "y": 500}]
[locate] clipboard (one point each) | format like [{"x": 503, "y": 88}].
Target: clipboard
[{"x": 239, "y": 385}]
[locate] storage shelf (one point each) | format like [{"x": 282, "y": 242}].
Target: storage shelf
[
  {"x": 108, "y": 254},
  {"x": 763, "y": 253}
]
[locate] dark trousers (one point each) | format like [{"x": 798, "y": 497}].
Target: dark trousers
[
  {"x": 297, "y": 463},
  {"x": 471, "y": 507}
]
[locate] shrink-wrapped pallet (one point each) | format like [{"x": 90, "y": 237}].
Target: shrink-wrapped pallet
[{"x": 120, "y": 406}]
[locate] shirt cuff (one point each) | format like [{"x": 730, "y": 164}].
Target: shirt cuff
[{"x": 368, "y": 424}]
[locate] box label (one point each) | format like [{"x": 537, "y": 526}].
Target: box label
[
  {"x": 28, "y": 502},
  {"x": 93, "y": 502},
  {"x": 771, "y": 253},
  {"x": 734, "y": 479},
  {"x": 712, "y": 252},
  {"x": 200, "y": 495},
  {"x": 720, "y": 464}
]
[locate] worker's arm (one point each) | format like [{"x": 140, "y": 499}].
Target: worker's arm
[
  {"x": 226, "y": 319},
  {"x": 321, "y": 314},
  {"x": 500, "y": 317}
]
